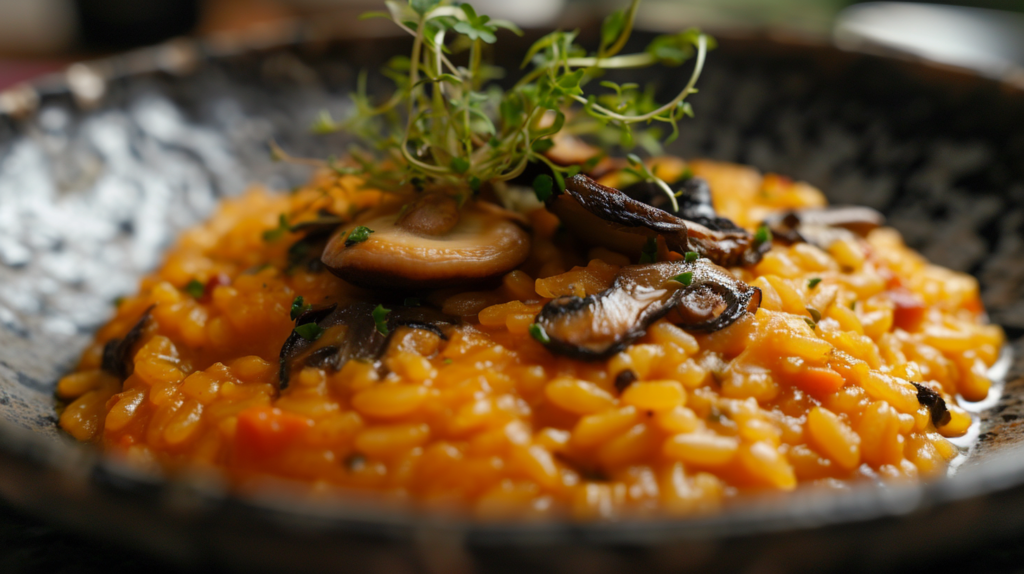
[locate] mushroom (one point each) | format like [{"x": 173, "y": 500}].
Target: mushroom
[
  {"x": 605, "y": 216},
  {"x": 117, "y": 353},
  {"x": 703, "y": 296},
  {"x": 824, "y": 226},
  {"x": 351, "y": 332},
  {"x": 433, "y": 243},
  {"x": 935, "y": 404}
]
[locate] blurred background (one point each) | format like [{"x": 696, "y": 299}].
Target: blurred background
[{"x": 38, "y": 36}]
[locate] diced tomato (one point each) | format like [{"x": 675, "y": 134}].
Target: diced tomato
[
  {"x": 909, "y": 309},
  {"x": 265, "y": 431}
]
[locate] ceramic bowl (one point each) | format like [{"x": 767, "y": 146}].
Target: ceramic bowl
[{"x": 102, "y": 166}]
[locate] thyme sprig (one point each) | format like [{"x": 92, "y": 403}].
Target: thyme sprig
[{"x": 447, "y": 123}]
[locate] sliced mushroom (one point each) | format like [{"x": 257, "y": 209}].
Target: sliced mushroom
[
  {"x": 117, "y": 353},
  {"x": 824, "y": 226},
  {"x": 350, "y": 332},
  {"x": 598, "y": 326},
  {"x": 405, "y": 252},
  {"x": 608, "y": 217}
]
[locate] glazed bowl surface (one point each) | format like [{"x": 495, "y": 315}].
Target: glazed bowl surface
[{"x": 101, "y": 167}]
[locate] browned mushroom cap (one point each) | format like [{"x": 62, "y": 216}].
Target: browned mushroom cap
[
  {"x": 350, "y": 332},
  {"x": 605, "y": 216},
  {"x": 486, "y": 241},
  {"x": 822, "y": 227},
  {"x": 598, "y": 326}
]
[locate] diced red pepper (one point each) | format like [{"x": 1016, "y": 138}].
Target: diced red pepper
[
  {"x": 909, "y": 309},
  {"x": 264, "y": 432}
]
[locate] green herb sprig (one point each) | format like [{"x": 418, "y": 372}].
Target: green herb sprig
[{"x": 447, "y": 124}]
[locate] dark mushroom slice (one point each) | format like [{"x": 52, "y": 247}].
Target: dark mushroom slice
[
  {"x": 406, "y": 251},
  {"x": 117, "y": 353},
  {"x": 350, "y": 332},
  {"x": 935, "y": 404},
  {"x": 824, "y": 226},
  {"x": 605, "y": 216},
  {"x": 598, "y": 326}
]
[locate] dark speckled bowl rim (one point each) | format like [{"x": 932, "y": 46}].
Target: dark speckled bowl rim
[{"x": 46, "y": 477}]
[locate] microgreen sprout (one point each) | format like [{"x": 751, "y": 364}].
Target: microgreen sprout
[{"x": 448, "y": 124}]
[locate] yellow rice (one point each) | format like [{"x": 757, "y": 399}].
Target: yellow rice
[{"x": 491, "y": 423}]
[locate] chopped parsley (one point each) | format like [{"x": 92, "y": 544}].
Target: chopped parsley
[
  {"x": 279, "y": 231},
  {"x": 309, "y": 331},
  {"x": 684, "y": 278},
  {"x": 762, "y": 235},
  {"x": 691, "y": 256},
  {"x": 813, "y": 282},
  {"x": 542, "y": 186},
  {"x": 358, "y": 235},
  {"x": 538, "y": 334},
  {"x": 195, "y": 288},
  {"x": 299, "y": 307},
  {"x": 380, "y": 319},
  {"x": 649, "y": 254}
]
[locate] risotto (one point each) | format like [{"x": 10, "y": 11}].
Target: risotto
[
  {"x": 515, "y": 385},
  {"x": 478, "y": 311}
]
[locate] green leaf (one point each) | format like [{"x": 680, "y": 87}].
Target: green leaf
[
  {"x": 813, "y": 282},
  {"x": 195, "y": 288},
  {"x": 762, "y": 235},
  {"x": 423, "y": 6},
  {"x": 542, "y": 186},
  {"x": 358, "y": 235},
  {"x": 510, "y": 26},
  {"x": 475, "y": 183},
  {"x": 691, "y": 256},
  {"x": 541, "y": 146},
  {"x": 299, "y": 307},
  {"x": 279, "y": 231},
  {"x": 684, "y": 278},
  {"x": 411, "y": 302},
  {"x": 460, "y": 165},
  {"x": 539, "y": 334},
  {"x": 649, "y": 253},
  {"x": 309, "y": 331},
  {"x": 380, "y": 316},
  {"x": 324, "y": 124},
  {"x": 376, "y": 14},
  {"x": 612, "y": 27}
]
